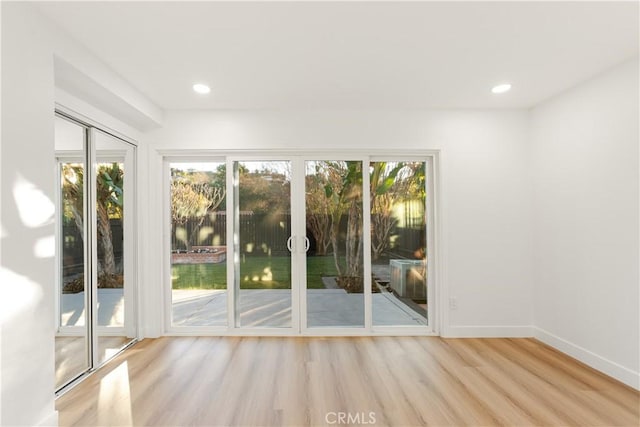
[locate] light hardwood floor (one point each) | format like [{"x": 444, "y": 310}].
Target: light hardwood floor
[
  {"x": 403, "y": 381},
  {"x": 71, "y": 355}
]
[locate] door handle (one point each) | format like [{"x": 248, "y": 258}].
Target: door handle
[
  {"x": 306, "y": 244},
  {"x": 290, "y": 243}
]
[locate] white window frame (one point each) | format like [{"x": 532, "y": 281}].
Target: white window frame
[
  {"x": 131, "y": 328},
  {"x": 431, "y": 158}
]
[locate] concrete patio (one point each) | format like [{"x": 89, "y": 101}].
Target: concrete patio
[
  {"x": 258, "y": 308},
  {"x": 110, "y": 308},
  {"x": 272, "y": 308}
]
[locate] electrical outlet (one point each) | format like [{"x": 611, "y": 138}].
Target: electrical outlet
[{"x": 453, "y": 303}]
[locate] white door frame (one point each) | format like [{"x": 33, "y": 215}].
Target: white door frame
[
  {"x": 234, "y": 260},
  {"x": 298, "y": 229},
  {"x": 89, "y": 158}
]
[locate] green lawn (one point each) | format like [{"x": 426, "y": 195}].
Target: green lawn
[{"x": 255, "y": 272}]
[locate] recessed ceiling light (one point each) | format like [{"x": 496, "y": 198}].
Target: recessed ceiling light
[
  {"x": 201, "y": 88},
  {"x": 501, "y": 88}
]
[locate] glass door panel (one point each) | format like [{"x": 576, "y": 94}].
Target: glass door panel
[
  {"x": 334, "y": 261},
  {"x": 398, "y": 243},
  {"x": 95, "y": 256},
  {"x": 307, "y": 247},
  {"x": 198, "y": 244},
  {"x": 71, "y": 340},
  {"x": 114, "y": 271},
  {"x": 263, "y": 243}
]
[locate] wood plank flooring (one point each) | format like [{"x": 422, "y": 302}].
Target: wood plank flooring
[
  {"x": 384, "y": 381},
  {"x": 71, "y": 354}
]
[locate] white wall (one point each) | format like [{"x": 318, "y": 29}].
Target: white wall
[
  {"x": 486, "y": 195},
  {"x": 585, "y": 150},
  {"x": 585, "y": 175},
  {"x": 29, "y": 45},
  {"x": 27, "y": 287}
]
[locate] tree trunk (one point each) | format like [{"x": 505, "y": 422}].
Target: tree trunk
[
  {"x": 77, "y": 217},
  {"x": 106, "y": 240},
  {"x": 353, "y": 240},
  {"x": 381, "y": 224},
  {"x": 320, "y": 228},
  {"x": 335, "y": 229},
  {"x": 323, "y": 247}
]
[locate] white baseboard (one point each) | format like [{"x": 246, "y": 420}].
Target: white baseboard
[
  {"x": 606, "y": 366},
  {"x": 488, "y": 332},
  {"x": 50, "y": 421}
]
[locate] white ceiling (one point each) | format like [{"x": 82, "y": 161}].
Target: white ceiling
[{"x": 355, "y": 54}]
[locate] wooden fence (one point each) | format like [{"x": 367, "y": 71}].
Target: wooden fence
[
  {"x": 268, "y": 233},
  {"x": 262, "y": 233}
]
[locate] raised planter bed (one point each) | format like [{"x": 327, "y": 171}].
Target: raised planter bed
[{"x": 200, "y": 255}]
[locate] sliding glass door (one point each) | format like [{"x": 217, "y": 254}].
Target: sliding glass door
[
  {"x": 198, "y": 200},
  {"x": 301, "y": 245},
  {"x": 73, "y": 296},
  {"x": 398, "y": 242},
  {"x": 114, "y": 259},
  {"x": 262, "y": 250},
  {"x": 335, "y": 276},
  {"x": 95, "y": 302}
]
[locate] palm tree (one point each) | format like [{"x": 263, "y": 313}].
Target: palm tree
[
  {"x": 343, "y": 193},
  {"x": 73, "y": 193},
  {"x": 109, "y": 198},
  {"x": 392, "y": 183},
  {"x": 109, "y": 203}
]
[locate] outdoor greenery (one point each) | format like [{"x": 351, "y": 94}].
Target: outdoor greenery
[
  {"x": 392, "y": 183},
  {"x": 254, "y": 272},
  {"x": 334, "y": 193},
  {"x": 193, "y": 197},
  {"x": 109, "y": 205},
  {"x": 334, "y": 212}
]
